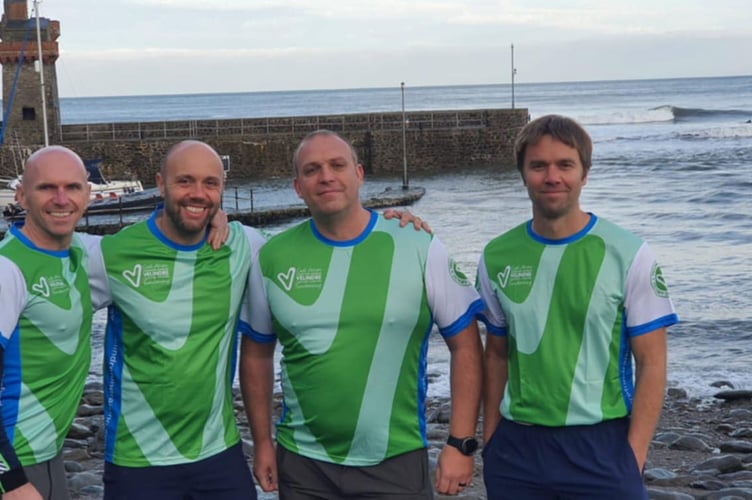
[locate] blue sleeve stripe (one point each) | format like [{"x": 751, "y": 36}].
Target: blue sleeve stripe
[
  {"x": 244, "y": 328},
  {"x": 668, "y": 320},
  {"x": 464, "y": 320},
  {"x": 260, "y": 338}
]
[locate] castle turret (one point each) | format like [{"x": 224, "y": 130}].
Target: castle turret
[{"x": 19, "y": 55}]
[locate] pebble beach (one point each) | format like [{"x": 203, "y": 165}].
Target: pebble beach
[{"x": 701, "y": 450}]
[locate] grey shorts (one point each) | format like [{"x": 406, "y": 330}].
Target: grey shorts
[
  {"x": 404, "y": 477},
  {"x": 49, "y": 478}
]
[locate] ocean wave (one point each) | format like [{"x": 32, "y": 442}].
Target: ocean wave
[
  {"x": 719, "y": 133},
  {"x": 629, "y": 116},
  {"x": 691, "y": 113},
  {"x": 666, "y": 113}
]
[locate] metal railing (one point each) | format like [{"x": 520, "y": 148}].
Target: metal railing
[{"x": 141, "y": 131}]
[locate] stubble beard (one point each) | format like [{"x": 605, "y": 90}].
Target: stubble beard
[{"x": 185, "y": 229}]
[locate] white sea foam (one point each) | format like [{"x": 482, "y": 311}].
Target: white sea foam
[
  {"x": 627, "y": 116},
  {"x": 722, "y": 132}
]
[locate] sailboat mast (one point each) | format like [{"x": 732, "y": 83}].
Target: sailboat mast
[{"x": 40, "y": 68}]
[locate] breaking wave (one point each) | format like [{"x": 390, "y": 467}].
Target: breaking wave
[{"x": 667, "y": 113}]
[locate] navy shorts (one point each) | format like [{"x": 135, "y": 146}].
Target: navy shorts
[
  {"x": 574, "y": 462},
  {"x": 225, "y": 476}
]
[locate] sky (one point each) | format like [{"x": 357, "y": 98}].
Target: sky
[{"x": 142, "y": 47}]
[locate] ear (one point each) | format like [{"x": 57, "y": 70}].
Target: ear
[
  {"x": 360, "y": 172},
  {"x": 20, "y": 197},
  {"x": 160, "y": 184},
  {"x": 297, "y": 187}
]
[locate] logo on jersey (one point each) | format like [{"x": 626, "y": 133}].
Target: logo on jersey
[
  {"x": 457, "y": 275},
  {"x": 515, "y": 276},
  {"x": 503, "y": 276},
  {"x": 149, "y": 274},
  {"x": 50, "y": 285},
  {"x": 287, "y": 279},
  {"x": 658, "y": 282},
  {"x": 300, "y": 278},
  {"x": 134, "y": 276},
  {"x": 42, "y": 288}
]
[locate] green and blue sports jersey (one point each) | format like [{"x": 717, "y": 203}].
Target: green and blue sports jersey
[
  {"x": 353, "y": 319},
  {"x": 45, "y": 329},
  {"x": 170, "y": 347},
  {"x": 569, "y": 308}
]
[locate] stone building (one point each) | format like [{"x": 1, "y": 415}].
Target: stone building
[{"x": 25, "y": 107}]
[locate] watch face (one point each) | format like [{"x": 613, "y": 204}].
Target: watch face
[{"x": 469, "y": 446}]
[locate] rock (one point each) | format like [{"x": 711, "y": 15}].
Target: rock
[
  {"x": 742, "y": 475},
  {"x": 654, "y": 494},
  {"x": 658, "y": 474},
  {"x": 722, "y": 383},
  {"x": 87, "y": 410},
  {"x": 741, "y": 433},
  {"x": 79, "y": 481},
  {"x": 736, "y": 447},
  {"x": 731, "y": 494},
  {"x": 71, "y": 466},
  {"x": 78, "y": 431},
  {"x": 75, "y": 454},
  {"x": 690, "y": 443},
  {"x": 711, "y": 484},
  {"x": 724, "y": 464},
  {"x": 733, "y": 395},
  {"x": 676, "y": 393},
  {"x": 740, "y": 414},
  {"x": 666, "y": 437},
  {"x": 445, "y": 412}
]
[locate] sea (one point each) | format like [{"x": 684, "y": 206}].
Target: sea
[{"x": 672, "y": 163}]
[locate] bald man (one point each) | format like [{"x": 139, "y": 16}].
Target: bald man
[
  {"x": 170, "y": 345},
  {"x": 45, "y": 325}
]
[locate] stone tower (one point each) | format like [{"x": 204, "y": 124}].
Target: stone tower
[{"x": 19, "y": 54}]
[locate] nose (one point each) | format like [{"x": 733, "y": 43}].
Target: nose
[
  {"x": 326, "y": 174},
  {"x": 552, "y": 175},
  {"x": 61, "y": 196},
  {"x": 197, "y": 190}
]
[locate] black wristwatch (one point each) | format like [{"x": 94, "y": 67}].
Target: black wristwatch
[{"x": 466, "y": 445}]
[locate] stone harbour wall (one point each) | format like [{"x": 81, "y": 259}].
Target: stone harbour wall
[{"x": 435, "y": 141}]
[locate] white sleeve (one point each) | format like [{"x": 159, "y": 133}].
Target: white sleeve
[
  {"x": 255, "y": 316},
  {"x": 13, "y": 295},
  {"x": 451, "y": 297},
  {"x": 101, "y": 296},
  {"x": 493, "y": 314},
  {"x": 646, "y": 301}
]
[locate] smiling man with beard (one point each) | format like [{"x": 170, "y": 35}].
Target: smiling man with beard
[{"x": 170, "y": 429}]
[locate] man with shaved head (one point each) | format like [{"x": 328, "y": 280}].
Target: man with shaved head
[
  {"x": 45, "y": 325},
  {"x": 170, "y": 430}
]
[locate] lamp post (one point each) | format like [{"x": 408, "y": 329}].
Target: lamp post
[
  {"x": 41, "y": 74},
  {"x": 514, "y": 72},
  {"x": 405, "y": 185}
]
